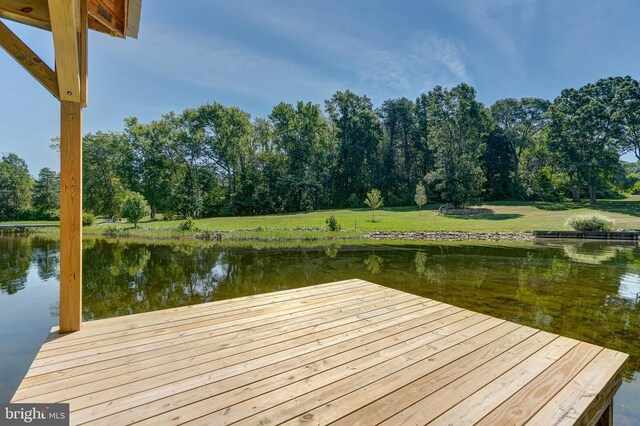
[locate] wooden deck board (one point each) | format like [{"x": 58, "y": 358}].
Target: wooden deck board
[{"x": 348, "y": 353}]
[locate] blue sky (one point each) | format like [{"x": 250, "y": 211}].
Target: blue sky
[{"x": 254, "y": 54}]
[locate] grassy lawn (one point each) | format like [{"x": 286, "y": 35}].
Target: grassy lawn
[
  {"x": 507, "y": 217},
  {"x": 512, "y": 216}
]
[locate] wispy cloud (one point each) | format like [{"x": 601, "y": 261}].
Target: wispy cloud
[
  {"x": 403, "y": 62},
  {"x": 223, "y": 66},
  {"x": 491, "y": 18},
  {"x": 401, "y": 65}
]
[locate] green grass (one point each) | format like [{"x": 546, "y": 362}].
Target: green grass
[{"x": 508, "y": 216}]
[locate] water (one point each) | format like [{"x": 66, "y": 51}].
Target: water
[{"x": 588, "y": 291}]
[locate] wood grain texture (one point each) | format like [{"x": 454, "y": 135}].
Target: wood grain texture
[
  {"x": 30, "y": 12},
  {"x": 29, "y": 60},
  {"x": 346, "y": 353},
  {"x": 70, "y": 216},
  {"x": 65, "y": 29}
]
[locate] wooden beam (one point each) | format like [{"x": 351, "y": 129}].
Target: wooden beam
[
  {"x": 31, "y": 62},
  {"x": 70, "y": 216},
  {"x": 65, "y": 42},
  {"x": 83, "y": 39},
  {"x": 111, "y": 14},
  {"x": 29, "y": 12}
]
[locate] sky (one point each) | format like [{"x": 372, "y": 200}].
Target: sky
[{"x": 255, "y": 54}]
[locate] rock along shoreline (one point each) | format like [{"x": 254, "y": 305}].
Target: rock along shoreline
[{"x": 451, "y": 236}]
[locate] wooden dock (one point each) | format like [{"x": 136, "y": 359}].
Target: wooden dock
[
  {"x": 590, "y": 235},
  {"x": 349, "y": 353}
]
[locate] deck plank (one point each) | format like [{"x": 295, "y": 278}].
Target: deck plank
[
  {"x": 346, "y": 353},
  {"x": 178, "y": 357},
  {"x": 239, "y": 321},
  {"x": 417, "y": 384},
  {"x": 530, "y": 398},
  {"x": 574, "y": 400},
  {"x": 249, "y": 384},
  {"x": 171, "y": 383}
]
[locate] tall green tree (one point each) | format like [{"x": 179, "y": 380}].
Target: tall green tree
[
  {"x": 521, "y": 121},
  {"x": 499, "y": 165},
  {"x": 46, "y": 190},
  {"x": 627, "y": 114},
  {"x": 457, "y": 129},
  {"x": 358, "y": 134},
  {"x": 226, "y": 132},
  {"x": 103, "y": 188},
  {"x": 15, "y": 187},
  {"x": 301, "y": 133},
  {"x": 153, "y": 166},
  {"x": 401, "y": 150},
  {"x": 584, "y": 133}
]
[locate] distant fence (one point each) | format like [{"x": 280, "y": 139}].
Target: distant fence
[{"x": 589, "y": 235}]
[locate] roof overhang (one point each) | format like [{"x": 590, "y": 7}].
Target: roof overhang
[{"x": 118, "y": 18}]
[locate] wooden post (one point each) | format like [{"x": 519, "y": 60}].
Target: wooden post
[{"x": 70, "y": 216}]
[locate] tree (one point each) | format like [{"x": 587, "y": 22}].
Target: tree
[
  {"x": 301, "y": 133},
  {"x": 585, "y": 132},
  {"x": 358, "y": 134},
  {"x": 46, "y": 190},
  {"x": 521, "y": 121},
  {"x": 421, "y": 196},
  {"x": 374, "y": 200},
  {"x": 627, "y": 105},
  {"x": 153, "y": 165},
  {"x": 134, "y": 208},
  {"x": 15, "y": 186},
  {"x": 457, "y": 130},
  {"x": 401, "y": 151},
  {"x": 499, "y": 165},
  {"x": 103, "y": 172},
  {"x": 226, "y": 132}
]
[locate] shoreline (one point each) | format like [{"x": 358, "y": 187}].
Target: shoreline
[
  {"x": 450, "y": 236},
  {"x": 291, "y": 235}
]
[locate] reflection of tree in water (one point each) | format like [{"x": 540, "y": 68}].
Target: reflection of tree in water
[
  {"x": 128, "y": 261},
  {"x": 129, "y": 278},
  {"x": 420, "y": 261},
  {"x": 15, "y": 259},
  {"x": 590, "y": 254},
  {"x": 331, "y": 251},
  {"x": 17, "y": 254},
  {"x": 374, "y": 263},
  {"x": 46, "y": 255}
]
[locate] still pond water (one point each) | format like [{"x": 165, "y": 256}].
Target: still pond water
[{"x": 588, "y": 291}]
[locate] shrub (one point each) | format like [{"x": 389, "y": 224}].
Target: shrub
[
  {"x": 88, "y": 219},
  {"x": 590, "y": 222},
  {"x": 112, "y": 231},
  {"x": 51, "y": 215},
  {"x": 635, "y": 189},
  {"x": 134, "y": 208},
  {"x": 187, "y": 225},
  {"x": 332, "y": 224}
]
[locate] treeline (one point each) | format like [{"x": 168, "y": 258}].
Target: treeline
[{"x": 218, "y": 160}]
